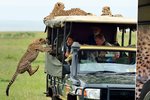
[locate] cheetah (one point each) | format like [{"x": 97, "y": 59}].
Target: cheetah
[
  {"x": 25, "y": 62},
  {"x": 58, "y": 10},
  {"x": 143, "y": 60},
  {"x": 106, "y": 11}
]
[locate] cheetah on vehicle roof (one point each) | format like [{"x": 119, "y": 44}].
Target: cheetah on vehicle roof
[{"x": 59, "y": 11}]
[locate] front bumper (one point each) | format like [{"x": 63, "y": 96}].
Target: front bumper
[{"x": 110, "y": 91}]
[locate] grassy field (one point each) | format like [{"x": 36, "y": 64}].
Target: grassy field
[
  {"x": 126, "y": 40},
  {"x": 12, "y": 47}
]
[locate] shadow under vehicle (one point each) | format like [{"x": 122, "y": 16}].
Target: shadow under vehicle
[{"x": 85, "y": 75}]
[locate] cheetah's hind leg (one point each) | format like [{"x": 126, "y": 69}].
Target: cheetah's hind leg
[{"x": 31, "y": 71}]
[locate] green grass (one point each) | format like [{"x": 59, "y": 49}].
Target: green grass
[
  {"x": 12, "y": 46},
  {"x": 126, "y": 37}
]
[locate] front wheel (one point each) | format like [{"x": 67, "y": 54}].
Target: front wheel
[
  {"x": 56, "y": 98},
  {"x": 49, "y": 92},
  {"x": 145, "y": 90},
  {"x": 71, "y": 97},
  {"x": 147, "y": 97}
]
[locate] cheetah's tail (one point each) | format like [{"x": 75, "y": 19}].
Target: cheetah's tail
[{"x": 11, "y": 82}]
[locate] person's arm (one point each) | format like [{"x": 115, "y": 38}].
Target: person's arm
[{"x": 67, "y": 51}]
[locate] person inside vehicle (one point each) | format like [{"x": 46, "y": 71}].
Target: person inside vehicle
[
  {"x": 69, "y": 42},
  {"x": 94, "y": 31},
  {"x": 100, "y": 40},
  {"x": 67, "y": 53}
]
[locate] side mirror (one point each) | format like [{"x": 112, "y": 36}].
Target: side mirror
[{"x": 66, "y": 69}]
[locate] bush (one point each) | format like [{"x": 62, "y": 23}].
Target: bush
[{"x": 17, "y": 35}]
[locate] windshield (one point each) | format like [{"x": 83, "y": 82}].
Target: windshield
[{"x": 106, "y": 61}]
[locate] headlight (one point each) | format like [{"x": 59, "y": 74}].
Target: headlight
[
  {"x": 90, "y": 93},
  {"x": 93, "y": 93}
]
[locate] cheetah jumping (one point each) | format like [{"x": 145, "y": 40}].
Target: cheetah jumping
[{"x": 30, "y": 55}]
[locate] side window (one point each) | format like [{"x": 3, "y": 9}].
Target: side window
[
  {"x": 126, "y": 38},
  {"x": 55, "y": 37}
]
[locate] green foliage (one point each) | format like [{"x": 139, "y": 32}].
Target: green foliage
[{"x": 17, "y": 35}]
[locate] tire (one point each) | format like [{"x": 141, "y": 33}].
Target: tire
[
  {"x": 145, "y": 90},
  {"x": 147, "y": 97},
  {"x": 56, "y": 98},
  {"x": 50, "y": 92},
  {"x": 71, "y": 97}
]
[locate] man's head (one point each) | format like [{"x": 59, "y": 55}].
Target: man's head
[
  {"x": 96, "y": 30},
  {"x": 70, "y": 41},
  {"x": 99, "y": 39}
]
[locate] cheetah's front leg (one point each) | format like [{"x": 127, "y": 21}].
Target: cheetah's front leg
[{"x": 31, "y": 71}]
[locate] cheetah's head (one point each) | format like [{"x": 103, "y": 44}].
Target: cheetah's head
[
  {"x": 59, "y": 5},
  {"x": 40, "y": 41}
]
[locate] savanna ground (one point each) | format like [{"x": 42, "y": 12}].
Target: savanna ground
[{"x": 12, "y": 46}]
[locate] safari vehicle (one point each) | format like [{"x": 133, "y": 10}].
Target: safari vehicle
[{"x": 88, "y": 76}]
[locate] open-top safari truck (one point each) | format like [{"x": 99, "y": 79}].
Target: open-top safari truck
[{"x": 89, "y": 76}]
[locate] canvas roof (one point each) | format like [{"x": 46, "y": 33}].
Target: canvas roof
[{"x": 60, "y": 20}]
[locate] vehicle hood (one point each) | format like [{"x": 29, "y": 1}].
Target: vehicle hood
[{"x": 107, "y": 79}]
